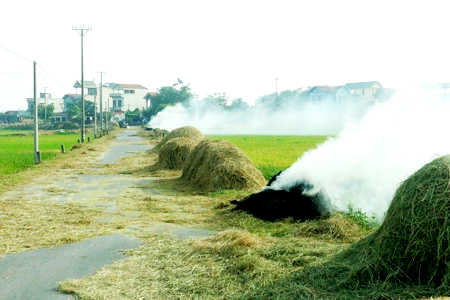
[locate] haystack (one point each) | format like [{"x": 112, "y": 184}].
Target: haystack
[
  {"x": 186, "y": 131},
  {"x": 414, "y": 239},
  {"x": 219, "y": 165},
  {"x": 174, "y": 153},
  {"x": 412, "y": 246}
]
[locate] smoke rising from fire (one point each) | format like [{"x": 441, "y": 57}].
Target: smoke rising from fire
[
  {"x": 323, "y": 118},
  {"x": 373, "y": 150},
  {"x": 366, "y": 162}
]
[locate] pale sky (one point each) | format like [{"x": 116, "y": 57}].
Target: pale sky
[{"x": 232, "y": 47}]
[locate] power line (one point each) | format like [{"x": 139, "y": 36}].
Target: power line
[
  {"x": 15, "y": 73},
  {"x": 15, "y": 53},
  {"x": 51, "y": 77},
  {"x": 46, "y": 83}
]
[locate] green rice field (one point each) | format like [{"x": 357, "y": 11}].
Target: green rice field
[
  {"x": 17, "y": 148},
  {"x": 272, "y": 154}
]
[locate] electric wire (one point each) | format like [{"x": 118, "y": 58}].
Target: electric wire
[
  {"x": 51, "y": 76},
  {"x": 15, "y": 73},
  {"x": 49, "y": 86},
  {"x": 15, "y": 53}
]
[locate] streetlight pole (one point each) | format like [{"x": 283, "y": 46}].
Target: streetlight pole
[{"x": 82, "y": 31}]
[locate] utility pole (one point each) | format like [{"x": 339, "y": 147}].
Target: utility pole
[
  {"x": 107, "y": 109},
  {"x": 101, "y": 100},
  {"x": 82, "y": 31},
  {"x": 37, "y": 156},
  {"x": 276, "y": 90},
  {"x": 95, "y": 116},
  {"x": 45, "y": 107}
]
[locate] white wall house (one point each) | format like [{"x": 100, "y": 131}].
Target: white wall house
[
  {"x": 366, "y": 90},
  {"x": 46, "y": 99},
  {"x": 126, "y": 97}
]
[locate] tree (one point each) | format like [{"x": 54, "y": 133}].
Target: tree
[
  {"x": 168, "y": 96},
  {"x": 89, "y": 109},
  {"x": 133, "y": 116},
  {"x": 74, "y": 113},
  {"x": 278, "y": 101},
  {"x": 41, "y": 111},
  {"x": 239, "y": 104},
  {"x": 218, "y": 99}
]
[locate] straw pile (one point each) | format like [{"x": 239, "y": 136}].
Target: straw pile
[
  {"x": 412, "y": 246},
  {"x": 414, "y": 239},
  {"x": 218, "y": 165},
  {"x": 174, "y": 153},
  {"x": 186, "y": 131},
  {"x": 156, "y": 133}
]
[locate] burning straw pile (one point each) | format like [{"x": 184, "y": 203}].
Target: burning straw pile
[
  {"x": 301, "y": 202},
  {"x": 412, "y": 246},
  {"x": 217, "y": 165}
]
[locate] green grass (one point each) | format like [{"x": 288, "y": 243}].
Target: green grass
[
  {"x": 272, "y": 154},
  {"x": 17, "y": 149}
]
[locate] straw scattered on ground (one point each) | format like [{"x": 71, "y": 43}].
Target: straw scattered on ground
[{"x": 28, "y": 225}]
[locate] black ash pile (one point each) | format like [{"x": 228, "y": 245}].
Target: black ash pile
[{"x": 301, "y": 202}]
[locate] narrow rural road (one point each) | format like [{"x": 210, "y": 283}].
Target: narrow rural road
[{"x": 34, "y": 274}]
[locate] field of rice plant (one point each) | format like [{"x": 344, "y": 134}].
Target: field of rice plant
[
  {"x": 272, "y": 154},
  {"x": 17, "y": 148}
]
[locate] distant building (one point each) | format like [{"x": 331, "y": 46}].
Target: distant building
[
  {"x": 436, "y": 88},
  {"x": 128, "y": 96},
  {"x": 46, "y": 99},
  {"x": 330, "y": 93},
  {"x": 385, "y": 94},
  {"x": 90, "y": 89},
  {"x": 17, "y": 116},
  {"x": 366, "y": 90},
  {"x": 148, "y": 99}
]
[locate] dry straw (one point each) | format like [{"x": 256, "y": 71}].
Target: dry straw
[
  {"x": 411, "y": 247},
  {"x": 174, "y": 153},
  {"x": 219, "y": 165},
  {"x": 186, "y": 131}
]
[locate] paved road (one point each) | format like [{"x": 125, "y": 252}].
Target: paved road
[{"x": 35, "y": 274}]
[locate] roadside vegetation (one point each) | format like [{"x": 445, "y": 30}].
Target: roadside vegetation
[{"x": 17, "y": 148}]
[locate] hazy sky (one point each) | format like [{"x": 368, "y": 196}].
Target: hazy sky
[{"x": 235, "y": 47}]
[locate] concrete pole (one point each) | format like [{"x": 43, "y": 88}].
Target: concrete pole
[
  {"x": 95, "y": 116},
  {"x": 82, "y": 31},
  {"x": 37, "y": 156},
  {"x": 101, "y": 99}
]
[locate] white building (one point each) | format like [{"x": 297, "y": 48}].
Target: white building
[
  {"x": 46, "y": 99},
  {"x": 126, "y": 97}
]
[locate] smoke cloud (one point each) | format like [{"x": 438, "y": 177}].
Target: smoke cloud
[
  {"x": 306, "y": 118},
  {"x": 373, "y": 149},
  {"x": 366, "y": 162}
]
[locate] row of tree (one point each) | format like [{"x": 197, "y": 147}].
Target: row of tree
[{"x": 168, "y": 96}]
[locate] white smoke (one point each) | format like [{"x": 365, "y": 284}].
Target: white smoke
[
  {"x": 366, "y": 162},
  {"x": 305, "y": 118}
]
